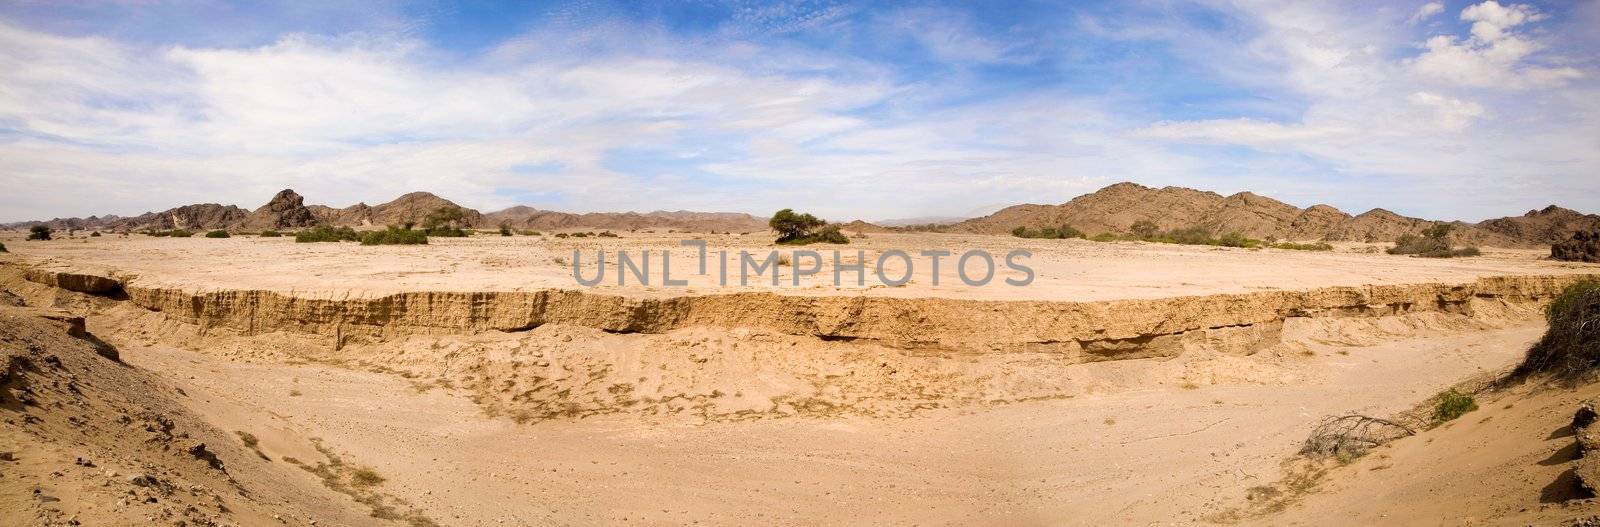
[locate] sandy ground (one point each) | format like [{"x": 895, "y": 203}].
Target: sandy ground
[
  {"x": 1075, "y": 270},
  {"x": 1151, "y": 455},
  {"x": 1139, "y": 439}
]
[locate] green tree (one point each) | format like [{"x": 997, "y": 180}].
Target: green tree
[
  {"x": 792, "y": 226},
  {"x": 39, "y": 232}
]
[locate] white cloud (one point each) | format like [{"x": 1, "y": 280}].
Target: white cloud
[
  {"x": 1425, "y": 12},
  {"x": 1494, "y": 55}
]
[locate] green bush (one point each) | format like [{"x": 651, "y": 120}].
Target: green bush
[
  {"x": 1144, "y": 229},
  {"x": 39, "y": 232},
  {"x": 217, "y": 234},
  {"x": 327, "y": 233},
  {"x": 95, "y": 234},
  {"x": 793, "y": 226},
  {"x": 1433, "y": 243},
  {"x": 1453, "y": 404},
  {"x": 180, "y": 233},
  {"x": 562, "y": 235},
  {"x": 1106, "y": 237},
  {"x": 505, "y": 230},
  {"x": 445, "y": 232},
  {"x": 1065, "y": 231},
  {"x": 608, "y": 234},
  {"x": 1234, "y": 239},
  {"x": 3, "y": 248},
  {"x": 529, "y": 233},
  {"x": 395, "y": 236},
  {"x": 271, "y": 234},
  {"x": 1570, "y": 346},
  {"x": 1191, "y": 236}
]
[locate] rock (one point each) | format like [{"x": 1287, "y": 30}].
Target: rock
[
  {"x": 285, "y": 210},
  {"x": 199, "y": 452},
  {"x": 1583, "y": 246},
  {"x": 143, "y": 480}
]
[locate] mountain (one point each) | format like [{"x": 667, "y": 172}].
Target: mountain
[
  {"x": 200, "y": 216},
  {"x": 524, "y": 217},
  {"x": 1115, "y": 208},
  {"x": 286, "y": 210},
  {"x": 1549, "y": 225}
]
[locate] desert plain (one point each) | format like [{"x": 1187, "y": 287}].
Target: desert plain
[{"x": 471, "y": 381}]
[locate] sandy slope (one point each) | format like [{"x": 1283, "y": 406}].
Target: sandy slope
[{"x": 1508, "y": 463}]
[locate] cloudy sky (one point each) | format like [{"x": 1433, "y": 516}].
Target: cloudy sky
[{"x": 1449, "y": 110}]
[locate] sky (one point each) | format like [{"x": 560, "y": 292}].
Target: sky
[{"x": 873, "y": 110}]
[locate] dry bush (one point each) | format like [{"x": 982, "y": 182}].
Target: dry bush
[
  {"x": 1349, "y": 436},
  {"x": 1570, "y": 347}
]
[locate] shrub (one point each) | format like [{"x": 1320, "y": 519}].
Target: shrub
[
  {"x": 445, "y": 232},
  {"x": 1453, "y": 404},
  {"x": 562, "y": 235},
  {"x": 39, "y": 232},
  {"x": 1065, "y": 231},
  {"x": 1105, "y": 237},
  {"x": 608, "y": 234},
  {"x": 1571, "y": 346},
  {"x": 180, "y": 233},
  {"x": 1234, "y": 239},
  {"x": 1144, "y": 229},
  {"x": 1191, "y": 236},
  {"x": 95, "y": 234},
  {"x": 326, "y": 233},
  {"x": 1319, "y": 246},
  {"x": 529, "y": 233},
  {"x": 217, "y": 234},
  {"x": 3, "y": 248},
  {"x": 271, "y": 234},
  {"x": 447, "y": 216},
  {"x": 1433, "y": 243},
  {"x": 505, "y": 230},
  {"x": 395, "y": 236},
  {"x": 580, "y": 235}
]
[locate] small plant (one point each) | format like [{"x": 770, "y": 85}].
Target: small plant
[
  {"x": 395, "y": 236},
  {"x": 95, "y": 234},
  {"x": 180, "y": 233},
  {"x": 529, "y": 233},
  {"x": 1453, "y": 404},
  {"x": 608, "y": 234},
  {"x": 39, "y": 232},
  {"x": 271, "y": 234},
  {"x": 327, "y": 233},
  {"x": 217, "y": 234},
  {"x": 365, "y": 476},
  {"x": 580, "y": 235},
  {"x": 505, "y": 229},
  {"x": 562, "y": 235},
  {"x": 3, "y": 248}
]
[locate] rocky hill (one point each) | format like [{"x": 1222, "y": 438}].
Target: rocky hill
[
  {"x": 1115, "y": 208},
  {"x": 286, "y": 210}
]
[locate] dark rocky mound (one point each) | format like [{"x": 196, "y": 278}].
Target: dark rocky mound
[{"x": 1583, "y": 246}]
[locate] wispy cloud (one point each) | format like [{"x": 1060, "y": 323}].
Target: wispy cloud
[{"x": 839, "y": 108}]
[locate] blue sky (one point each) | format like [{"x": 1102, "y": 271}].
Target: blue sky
[{"x": 1460, "y": 110}]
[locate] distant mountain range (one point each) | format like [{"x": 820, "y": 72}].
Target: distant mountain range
[
  {"x": 1115, "y": 208},
  {"x": 1111, "y": 209},
  {"x": 287, "y": 210}
]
